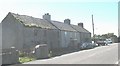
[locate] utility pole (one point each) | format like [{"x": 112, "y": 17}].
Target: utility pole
[{"x": 93, "y": 28}]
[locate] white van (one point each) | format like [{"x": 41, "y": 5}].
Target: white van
[{"x": 108, "y": 41}]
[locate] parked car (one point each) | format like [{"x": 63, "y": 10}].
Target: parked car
[
  {"x": 108, "y": 41},
  {"x": 87, "y": 45},
  {"x": 94, "y": 44},
  {"x": 101, "y": 42}
]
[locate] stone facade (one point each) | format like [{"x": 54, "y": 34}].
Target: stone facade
[{"x": 23, "y": 31}]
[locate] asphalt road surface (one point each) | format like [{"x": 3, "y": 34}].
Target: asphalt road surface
[{"x": 99, "y": 55}]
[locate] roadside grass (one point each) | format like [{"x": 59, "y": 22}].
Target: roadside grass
[
  {"x": 23, "y": 57},
  {"x": 26, "y": 59}
]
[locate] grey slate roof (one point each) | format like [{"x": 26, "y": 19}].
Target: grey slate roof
[
  {"x": 37, "y": 22},
  {"x": 31, "y": 21},
  {"x": 63, "y": 26},
  {"x": 80, "y": 29}
]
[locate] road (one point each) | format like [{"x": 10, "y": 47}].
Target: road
[{"x": 99, "y": 55}]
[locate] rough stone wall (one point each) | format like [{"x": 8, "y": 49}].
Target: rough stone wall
[
  {"x": 28, "y": 34},
  {"x": 53, "y": 39},
  {"x": 67, "y": 36},
  {"x": 34, "y": 36},
  {"x": 12, "y": 33},
  {"x": 85, "y": 37}
]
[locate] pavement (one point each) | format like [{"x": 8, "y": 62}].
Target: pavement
[{"x": 99, "y": 55}]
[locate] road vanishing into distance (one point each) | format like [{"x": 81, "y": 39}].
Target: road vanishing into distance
[{"x": 98, "y": 55}]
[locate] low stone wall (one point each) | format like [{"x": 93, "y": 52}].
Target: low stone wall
[
  {"x": 61, "y": 51},
  {"x": 10, "y": 56},
  {"x": 41, "y": 51}
]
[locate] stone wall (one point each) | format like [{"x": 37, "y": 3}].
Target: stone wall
[
  {"x": 12, "y": 33},
  {"x": 41, "y": 51},
  {"x": 10, "y": 56}
]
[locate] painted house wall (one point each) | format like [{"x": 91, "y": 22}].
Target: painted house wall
[{"x": 12, "y": 33}]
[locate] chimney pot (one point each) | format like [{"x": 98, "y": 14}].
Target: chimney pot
[
  {"x": 47, "y": 17},
  {"x": 80, "y": 24},
  {"x": 67, "y": 21}
]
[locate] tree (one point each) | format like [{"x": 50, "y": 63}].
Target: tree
[
  {"x": 104, "y": 36},
  {"x": 109, "y": 35}
]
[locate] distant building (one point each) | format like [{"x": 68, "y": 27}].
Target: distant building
[{"x": 24, "y": 31}]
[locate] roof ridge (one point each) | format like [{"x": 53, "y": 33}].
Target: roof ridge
[
  {"x": 25, "y": 15},
  {"x": 26, "y": 19}
]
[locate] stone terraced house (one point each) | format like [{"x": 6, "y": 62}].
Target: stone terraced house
[{"x": 22, "y": 31}]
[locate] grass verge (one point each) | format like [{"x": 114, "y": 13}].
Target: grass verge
[{"x": 26, "y": 59}]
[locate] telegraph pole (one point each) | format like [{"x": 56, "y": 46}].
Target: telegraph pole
[{"x": 93, "y": 28}]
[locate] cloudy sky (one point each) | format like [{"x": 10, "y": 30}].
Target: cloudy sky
[{"x": 105, "y": 12}]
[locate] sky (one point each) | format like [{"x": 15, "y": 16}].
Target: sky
[{"x": 105, "y": 12}]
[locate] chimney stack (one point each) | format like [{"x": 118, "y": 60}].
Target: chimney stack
[
  {"x": 80, "y": 24},
  {"x": 67, "y": 21},
  {"x": 47, "y": 17}
]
